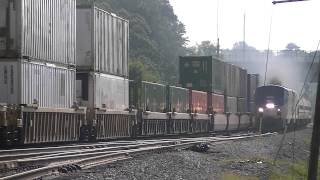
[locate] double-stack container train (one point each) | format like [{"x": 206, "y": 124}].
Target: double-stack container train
[{"x": 64, "y": 78}]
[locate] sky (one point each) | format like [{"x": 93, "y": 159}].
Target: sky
[{"x": 296, "y": 22}]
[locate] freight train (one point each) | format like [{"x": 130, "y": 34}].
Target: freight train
[{"x": 64, "y": 78}]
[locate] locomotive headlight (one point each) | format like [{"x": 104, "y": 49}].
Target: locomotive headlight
[
  {"x": 270, "y": 105},
  {"x": 260, "y": 110},
  {"x": 279, "y": 110}
]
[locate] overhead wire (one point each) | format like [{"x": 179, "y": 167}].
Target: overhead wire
[
  {"x": 295, "y": 108},
  {"x": 268, "y": 51}
]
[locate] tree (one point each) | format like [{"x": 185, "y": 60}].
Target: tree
[
  {"x": 275, "y": 81},
  {"x": 292, "y": 47}
]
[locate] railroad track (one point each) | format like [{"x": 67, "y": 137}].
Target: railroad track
[{"x": 65, "y": 159}]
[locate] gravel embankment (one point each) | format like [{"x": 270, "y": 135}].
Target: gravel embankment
[{"x": 246, "y": 159}]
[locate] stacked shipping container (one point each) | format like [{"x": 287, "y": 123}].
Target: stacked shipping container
[
  {"x": 253, "y": 83},
  {"x": 206, "y": 73},
  {"x": 37, "y": 52},
  {"x": 102, "y": 59}
]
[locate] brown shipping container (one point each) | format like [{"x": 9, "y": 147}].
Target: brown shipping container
[
  {"x": 216, "y": 101},
  {"x": 39, "y": 30},
  {"x": 198, "y": 101}
]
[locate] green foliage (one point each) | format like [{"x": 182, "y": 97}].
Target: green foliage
[
  {"x": 296, "y": 171},
  {"x": 138, "y": 71},
  {"x": 156, "y": 35},
  {"x": 205, "y": 48}
]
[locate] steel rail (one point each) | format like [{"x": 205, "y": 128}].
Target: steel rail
[{"x": 94, "y": 159}]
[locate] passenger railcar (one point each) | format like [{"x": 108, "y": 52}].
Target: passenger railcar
[{"x": 278, "y": 107}]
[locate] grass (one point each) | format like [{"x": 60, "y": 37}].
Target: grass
[{"x": 296, "y": 171}]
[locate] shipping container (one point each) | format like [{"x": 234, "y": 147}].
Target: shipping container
[
  {"x": 178, "y": 99},
  {"x": 98, "y": 90},
  {"x": 243, "y": 83},
  {"x": 241, "y": 104},
  {"x": 251, "y": 107},
  {"x": 198, "y": 101},
  {"x": 203, "y": 73},
  {"x": 230, "y": 78},
  {"x": 253, "y": 83},
  {"x": 48, "y": 85},
  {"x": 216, "y": 103},
  {"x": 38, "y": 30},
  {"x": 102, "y": 41},
  {"x": 148, "y": 96},
  {"x": 231, "y": 105}
]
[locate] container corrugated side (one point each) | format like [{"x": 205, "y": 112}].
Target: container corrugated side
[
  {"x": 98, "y": 90},
  {"x": 243, "y": 83},
  {"x": 253, "y": 83},
  {"x": 102, "y": 41},
  {"x": 229, "y": 78},
  {"x": 231, "y": 105},
  {"x": 39, "y": 30},
  {"x": 198, "y": 101},
  {"x": 218, "y": 103},
  {"x": 218, "y": 76},
  {"x": 153, "y": 97},
  {"x": 241, "y": 104},
  {"x": 178, "y": 100},
  {"x": 26, "y": 82}
]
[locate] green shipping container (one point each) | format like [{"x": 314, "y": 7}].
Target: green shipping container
[
  {"x": 203, "y": 73},
  {"x": 147, "y": 96},
  {"x": 178, "y": 99}
]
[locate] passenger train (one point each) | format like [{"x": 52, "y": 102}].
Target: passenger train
[
  {"x": 71, "y": 84},
  {"x": 278, "y": 107}
]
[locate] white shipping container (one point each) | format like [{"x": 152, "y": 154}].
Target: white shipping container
[
  {"x": 23, "y": 82},
  {"x": 102, "y": 41},
  {"x": 41, "y": 29},
  {"x": 97, "y": 90}
]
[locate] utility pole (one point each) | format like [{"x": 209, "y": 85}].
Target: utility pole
[
  {"x": 244, "y": 38},
  {"x": 218, "y": 40},
  {"x": 314, "y": 149},
  {"x": 315, "y": 140}
]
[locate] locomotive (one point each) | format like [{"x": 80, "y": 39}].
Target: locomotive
[
  {"x": 71, "y": 84},
  {"x": 278, "y": 107}
]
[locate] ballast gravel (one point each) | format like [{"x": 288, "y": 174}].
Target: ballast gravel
[{"x": 245, "y": 158}]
